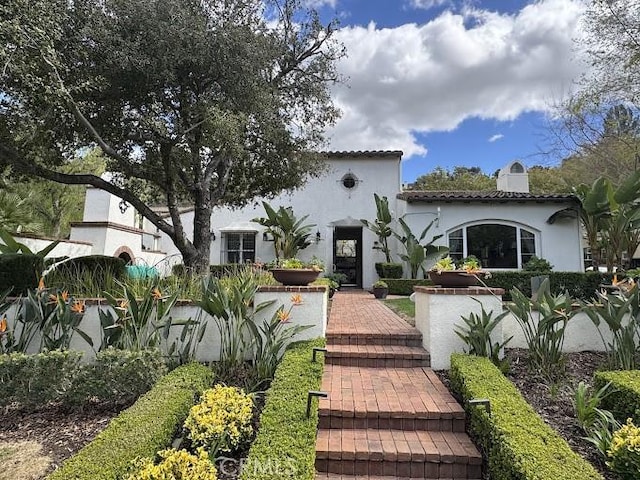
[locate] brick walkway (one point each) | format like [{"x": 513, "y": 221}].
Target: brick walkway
[{"x": 387, "y": 415}]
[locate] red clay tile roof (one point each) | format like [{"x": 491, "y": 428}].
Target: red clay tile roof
[
  {"x": 428, "y": 196},
  {"x": 364, "y": 153}
]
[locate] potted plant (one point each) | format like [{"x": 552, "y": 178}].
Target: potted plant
[
  {"x": 294, "y": 271},
  {"x": 466, "y": 273},
  {"x": 380, "y": 289}
]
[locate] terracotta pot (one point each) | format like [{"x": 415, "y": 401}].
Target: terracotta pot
[
  {"x": 294, "y": 276},
  {"x": 454, "y": 278}
]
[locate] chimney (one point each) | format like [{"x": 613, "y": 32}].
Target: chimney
[{"x": 513, "y": 178}]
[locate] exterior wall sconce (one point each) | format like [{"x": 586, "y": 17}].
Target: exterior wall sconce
[
  {"x": 376, "y": 246},
  {"x": 267, "y": 237},
  {"x": 213, "y": 236},
  {"x": 123, "y": 206},
  {"x": 318, "y": 237}
]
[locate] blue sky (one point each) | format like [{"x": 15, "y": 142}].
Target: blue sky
[{"x": 454, "y": 82}]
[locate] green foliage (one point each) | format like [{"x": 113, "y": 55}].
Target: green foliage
[
  {"x": 248, "y": 77},
  {"x": 587, "y": 405},
  {"x": 625, "y": 401},
  {"x": 518, "y": 443},
  {"x": 539, "y": 265},
  {"x": 20, "y": 272},
  {"x": 404, "y": 286},
  {"x": 49, "y": 315},
  {"x": 88, "y": 276},
  {"x": 476, "y": 334},
  {"x": 338, "y": 278},
  {"x": 543, "y": 322},
  {"x": 290, "y": 234},
  {"x": 175, "y": 465},
  {"x": 621, "y": 313},
  {"x": 230, "y": 307},
  {"x": 287, "y": 438},
  {"x": 140, "y": 431},
  {"x": 381, "y": 226},
  {"x": 624, "y": 453},
  {"x": 391, "y": 270},
  {"x": 416, "y": 254},
  {"x": 35, "y": 380},
  {"x": 221, "y": 421},
  {"x": 133, "y": 324},
  {"x": 577, "y": 285},
  {"x": 116, "y": 377},
  {"x": 269, "y": 342},
  {"x": 380, "y": 284},
  {"x": 461, "y": 178}
]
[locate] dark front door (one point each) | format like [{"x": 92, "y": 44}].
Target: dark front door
[{"x": 347, "y": 254}]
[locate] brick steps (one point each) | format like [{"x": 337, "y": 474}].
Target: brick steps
[
  {"x": 410, "y": 338},
  {"x": 400, "y": 398},
  {"x": 388, "y": 415},
  {"x": 393, "y": 356},
  {"x": 415, "y": 454}
]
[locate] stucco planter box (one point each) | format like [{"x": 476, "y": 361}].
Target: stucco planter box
[{"x": 295, "y": 276}]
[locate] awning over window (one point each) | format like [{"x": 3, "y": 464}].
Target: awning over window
[{"x": 243, "y": 227}]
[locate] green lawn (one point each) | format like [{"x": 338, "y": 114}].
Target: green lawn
[{"x": 402, "y": 306}]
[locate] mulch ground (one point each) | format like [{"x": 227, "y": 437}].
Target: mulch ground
[
  {"x": 60, "y": 433},
  {"x": 554, "y": 403}
]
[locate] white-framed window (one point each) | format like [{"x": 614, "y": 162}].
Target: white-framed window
[
  {"x": 496, "y": 245},
  {"x": 239, "y": 247}
]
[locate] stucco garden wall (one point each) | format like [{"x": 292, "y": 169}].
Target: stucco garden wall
[{"x": 312, "y": 312}]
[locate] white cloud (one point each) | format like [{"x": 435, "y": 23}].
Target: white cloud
[
  {"x": 495, "y": 138},
  {"x": 320, "y": 3},
  {"x": 427, "y": 4},
  {"x": 431, "y": 77}
]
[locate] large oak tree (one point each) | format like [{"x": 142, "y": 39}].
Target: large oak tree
[{"x": 198, "y": 102}]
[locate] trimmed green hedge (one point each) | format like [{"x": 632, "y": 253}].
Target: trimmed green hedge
[
  {"x": 391, "y": 270},
  {"x": 624, "y": 402},
  {"x": 20, "y": 272},
  {"x": 34, "y": 380},
  {"x": 140, "y": 431},
  {"x": 518, "y": 443},
  {"x": 579, "y": 285},
  {"x": 404, "y": 286},
  {"x": 101, "y": 269},
  {"x": 286, "y": 443}
]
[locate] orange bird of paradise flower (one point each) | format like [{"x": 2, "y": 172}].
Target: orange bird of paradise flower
[
  {"x": 77, "y": 307},
  {"x": 156, "y": 293},
  {"x": 296, "y": 299},
  {"x": 3, "y": 325},
  {"x": 283, "y": 316},
  {"x": 41, "y": 284}
]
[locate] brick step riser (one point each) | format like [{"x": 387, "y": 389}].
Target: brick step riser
[
  {"x": 339, "y": 339},
  {"x": 424, "y": 470},
  {"x": 405, "y": 424},
  {"x": 377, "y": 362}
]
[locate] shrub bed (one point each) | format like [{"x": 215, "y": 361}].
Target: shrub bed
[
  {"x": 404, "y": 286},
  {"x": 20, "y": 272},
  {"x": 35, "y": 380},
  {"x": 624, "y": 401},
  {"x": 140, "y": 431},
  {"x": 117, "y": 377},
  {"x": 517, "y": 442},
  {"x": 578, "y": 285},
  {"x": 285, "y": 446}
]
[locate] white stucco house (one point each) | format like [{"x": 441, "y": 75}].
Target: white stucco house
[{"x": 503, "y": 228}]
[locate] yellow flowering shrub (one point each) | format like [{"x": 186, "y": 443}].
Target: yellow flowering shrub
[
  {"x": 176, "y": 465},
  {"x": 624, "y": 454},
  {"x": 222, "y": 420}
]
